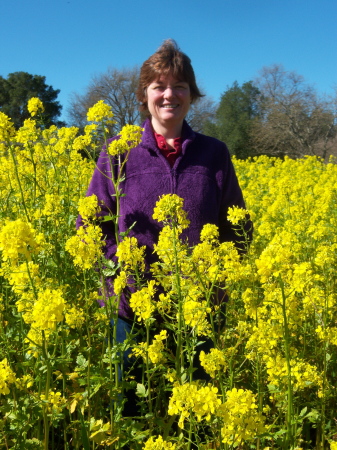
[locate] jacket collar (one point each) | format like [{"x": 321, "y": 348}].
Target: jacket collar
[{"x": 149, "y": 141}]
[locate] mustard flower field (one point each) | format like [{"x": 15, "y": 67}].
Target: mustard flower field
[{"x": 270, "y": 376}]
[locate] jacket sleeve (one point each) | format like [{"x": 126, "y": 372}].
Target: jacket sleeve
[
  {"x": 102, "y": 186},
  {"x": 232, "y": 196}
]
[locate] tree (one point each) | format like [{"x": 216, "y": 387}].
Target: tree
[
  {"x": 117, "y": 87},
  {"x": 201, "y": 112},
  {"x": 294, "y": 121},
  {"x": 18, "y": 88},
  {"x": 234, "y": 118}
]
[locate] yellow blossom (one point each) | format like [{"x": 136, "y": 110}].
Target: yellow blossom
[
  {"x": 242, "y": 421},
  {"x": 236, "y": 215},
  {"x": 158, "y": 444},
  {"x": 156, "y": 349},
  {"x": 213, "y": 361},
  {"x": 120, "y": 282},
  {"x": 169, "y": 209},
  {"x": 74, "y": 317},
  {"x": 130, "y": 255},
  {"x": 190, "y": 397},
  {"x": 130, "y": 136},
  {"x": 209, "y": 233},
  {"x": 48, "y": 309},
  {"x": 7, "y": 129},
  {"x": 34, "y": 106},
  {"x": 88, "y": 207},
  {"x": 99, "y": 112},
  {"x": 17, "y": 238},
  {"x": 86, "y": 246},
  {"x": 195, "y": 316},
  {"x": 54, "y": 403},
  {"x": 7, "y": 377},
  {"x": 142, "y": 302}
]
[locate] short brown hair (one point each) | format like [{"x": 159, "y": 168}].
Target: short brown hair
[{"x": 167, "y": 59}]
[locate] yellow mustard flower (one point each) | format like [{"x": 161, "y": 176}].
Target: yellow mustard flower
[
  {"x": 129, "y": 137},
  {"x": 17, "y": 238},
  {"x": 213, "y": 361},
  {"x": 130, "y": 255},
  {"x": 48, "y": 309},
  {"x": 54, "y": 402},
  {"x": 242, "y": 421},
  {"x": 169, "y": 210},
  {"x": 189, "y": 398},
  {"x": 158, "y": 444},
  {"x": 142, "y": 302},
  {"x": 34, "y": 106},
  {"x": 86, "y": 246},
  {"x": 74, "y": 317},
  {"x": 7, "y": 377},
  {"x": 100, "y": 112}
]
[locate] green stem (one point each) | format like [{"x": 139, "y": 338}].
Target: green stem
[
  {"x": 19, "y": 183},
  {"x": 290, "y": 413},
  {"x": 148, "y": 367},
  {"x": 46, "y": 392},
  {"x": 179, "y": 354}
]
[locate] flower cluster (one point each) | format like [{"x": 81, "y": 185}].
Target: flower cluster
[
  {"x": 34, "y": 106},
  {"x": 86, "y": 246},
  {"x": 195, "y": 316},
  {"x": 7, "y": 376},
  {"x": 130, "y": 255},
  {"x": 130, "y": 136},
  {"x": 169, "y": 210},
  {"x": 54, "y": 402},
  {"x": 189, "y": 398},
  {"x": 242, "y": 421},
  {"x": 214, "y": 361},
  {"x": 7, "y": 130},
  {"x": 18, "y": 238},
  {"x": 100, "y": 112},
  {"x": 142, "y": 302},
  {"x": 158, "y": 444},
  {"x": 156, "y": 349},
  {"x": 88, "y": 207}
]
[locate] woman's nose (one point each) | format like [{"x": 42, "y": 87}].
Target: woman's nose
[{"x": 169, "y": 92}]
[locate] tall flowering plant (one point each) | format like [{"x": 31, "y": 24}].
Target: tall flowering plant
[{"x": 254, "y": 371}]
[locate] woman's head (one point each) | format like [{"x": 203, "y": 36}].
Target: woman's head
[{"x": 167, "y": 60}]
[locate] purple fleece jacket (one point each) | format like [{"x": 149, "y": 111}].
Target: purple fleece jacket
[{"x": 203, "y": 175}]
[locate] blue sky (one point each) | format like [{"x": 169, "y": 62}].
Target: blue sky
[{"x": 69, "y": 41}]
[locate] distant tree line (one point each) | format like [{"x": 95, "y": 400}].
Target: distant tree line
[
  {"x": 277, "y": 114},
  {"x": 18, "y": 88}
]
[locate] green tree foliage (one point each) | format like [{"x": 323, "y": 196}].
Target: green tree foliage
[
  {"x": 18, "y": 88},
  {"x": 237, "y": 110}
]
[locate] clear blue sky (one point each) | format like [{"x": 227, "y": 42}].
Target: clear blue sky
[{"x": 69, "y": 41}]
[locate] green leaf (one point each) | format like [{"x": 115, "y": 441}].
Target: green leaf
[
  {"x": 141, "y": 391},
  {"x": 81, "y": 361},
  {"x": 85, "y": 439},
  {"x": 108, "y": 218},
  {"x": 304, "y": 410}
]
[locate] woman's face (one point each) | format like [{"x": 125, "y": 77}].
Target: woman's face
[{"x": 168, "y": 101}]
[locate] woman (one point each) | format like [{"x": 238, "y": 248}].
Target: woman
[{"x": 171, "y": 158}]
